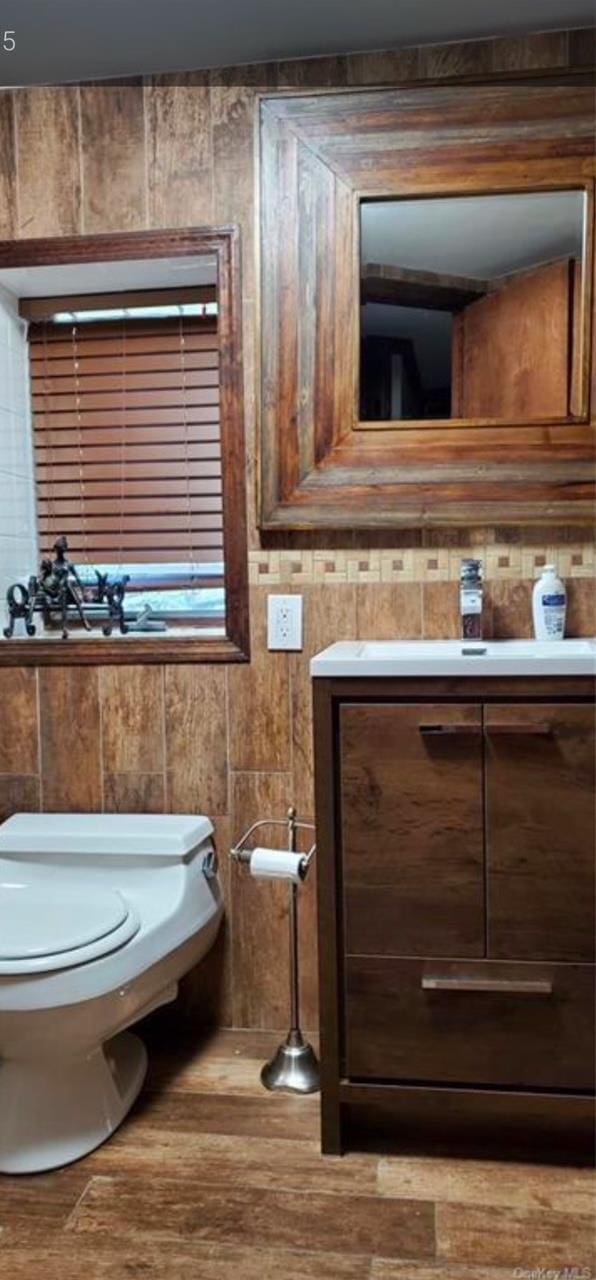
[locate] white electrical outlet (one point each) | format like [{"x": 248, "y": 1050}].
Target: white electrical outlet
[{"x": 284, "y": 622}]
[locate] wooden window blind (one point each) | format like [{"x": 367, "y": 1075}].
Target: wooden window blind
[{"x": 127, "y": 439}]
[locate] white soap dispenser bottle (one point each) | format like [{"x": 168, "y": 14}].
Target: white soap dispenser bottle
[{"x": 549, "y": 605}]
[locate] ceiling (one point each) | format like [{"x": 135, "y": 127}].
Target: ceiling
[
  {"x": 108, "y": 277},
  {"x": 480, "y": 236},
  {"x": 66, "y": 40}
]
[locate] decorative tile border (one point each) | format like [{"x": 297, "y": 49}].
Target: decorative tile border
[{"x": 502, "y": 562}]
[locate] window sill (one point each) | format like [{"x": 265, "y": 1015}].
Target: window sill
[{"x": 133, "y": 649}]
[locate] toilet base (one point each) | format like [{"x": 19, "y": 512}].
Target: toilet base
[{"x": 52, "y": 1113}]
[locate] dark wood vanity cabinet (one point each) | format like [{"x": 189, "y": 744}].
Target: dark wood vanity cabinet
[{"x": 456, "y": 919}]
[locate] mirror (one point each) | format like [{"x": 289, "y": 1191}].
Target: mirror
[{"x": 471, "y": 307}]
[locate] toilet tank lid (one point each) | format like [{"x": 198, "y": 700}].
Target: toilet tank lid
[{"x": 141, "y": 834}]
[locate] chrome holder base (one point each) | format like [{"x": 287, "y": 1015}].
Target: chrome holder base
[{"x": 293, "y": 1068}]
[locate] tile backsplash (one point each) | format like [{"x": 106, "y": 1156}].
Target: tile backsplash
[{"x": 504, "y": 562}]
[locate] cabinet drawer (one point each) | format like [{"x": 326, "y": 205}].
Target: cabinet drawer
[{"x": 470, "y": 1022}]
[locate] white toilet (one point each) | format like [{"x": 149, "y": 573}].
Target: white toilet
[{"x": 100, "y": 915}]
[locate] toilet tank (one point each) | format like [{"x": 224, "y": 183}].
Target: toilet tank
[{"x": 98, "y": 839}]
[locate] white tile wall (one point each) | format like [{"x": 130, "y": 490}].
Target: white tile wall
[{"x": 18, "y": 536}]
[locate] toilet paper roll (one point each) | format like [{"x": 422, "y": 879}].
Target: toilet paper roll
[{"x": 277, "y": 864}]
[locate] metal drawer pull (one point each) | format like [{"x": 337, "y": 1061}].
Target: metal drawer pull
[
  {"x": 455, "y": 727},
  {"x": 540, "y": 728},
  {"x": 505, "y": 986}
]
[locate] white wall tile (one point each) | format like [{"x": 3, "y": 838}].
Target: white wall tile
[{"x": 18, "y": 541}]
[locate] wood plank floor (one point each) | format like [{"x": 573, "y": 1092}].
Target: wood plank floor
[{"x": 211, "y": 1178}]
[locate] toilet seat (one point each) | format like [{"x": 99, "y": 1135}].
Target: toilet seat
[{"x": 59, "y": 928}]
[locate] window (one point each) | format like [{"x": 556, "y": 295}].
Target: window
[
  {"x": 138, "y": 448},
  {"x": 128, "y": 452}
]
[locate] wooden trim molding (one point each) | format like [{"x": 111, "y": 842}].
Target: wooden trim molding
[
  {"x": 123, "y": 651},
  {"x": 224, "y": 244},
  {"x": 321, "y": 154}
]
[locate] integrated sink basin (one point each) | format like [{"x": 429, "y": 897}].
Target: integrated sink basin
[{"x": 457, "y": 658}]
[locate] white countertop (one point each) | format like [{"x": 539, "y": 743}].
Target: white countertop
[{"x": 456, "y": 658}]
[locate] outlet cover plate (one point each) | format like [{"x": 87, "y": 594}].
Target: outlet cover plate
[{"x": 284, "y": 622}]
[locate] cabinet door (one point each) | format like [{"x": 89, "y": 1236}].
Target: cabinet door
[
  {"x": 540, "y": 834},
  {"x": 412, "y": 829},
  {"x": 511, "y": 348}
]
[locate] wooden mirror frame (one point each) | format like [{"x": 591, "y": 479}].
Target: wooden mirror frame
[
  {"x": 224, "y": 244},
  {"x": 321, "y": 155}
]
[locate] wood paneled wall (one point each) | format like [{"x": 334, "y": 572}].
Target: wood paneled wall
[{"x": 232, "y": 742}]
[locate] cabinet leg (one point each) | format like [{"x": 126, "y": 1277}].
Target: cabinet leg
[{"x": 331, "y": 1130}]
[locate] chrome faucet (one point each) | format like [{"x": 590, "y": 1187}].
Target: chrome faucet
[{"x": 470, "y": 599}]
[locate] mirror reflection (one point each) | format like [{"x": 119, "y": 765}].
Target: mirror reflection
[{"x": 471, "y": 307}]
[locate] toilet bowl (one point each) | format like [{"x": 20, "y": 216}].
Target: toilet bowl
[{"x": 100, "y": 916}]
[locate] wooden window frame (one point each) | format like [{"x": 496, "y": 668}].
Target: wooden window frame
[
  {"x": 323, "y": 154},
  {"x": 224, "y": 244}
]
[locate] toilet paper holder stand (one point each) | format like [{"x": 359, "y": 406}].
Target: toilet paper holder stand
[{"x": 294, "y": 1067}]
